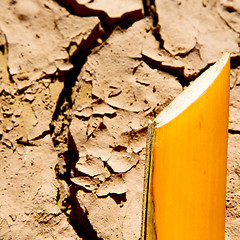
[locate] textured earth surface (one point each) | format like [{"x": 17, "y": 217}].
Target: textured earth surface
[{"x": 79, "y": 81}]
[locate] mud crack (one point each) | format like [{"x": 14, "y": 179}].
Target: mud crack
[
  {"x": 150, "y": 9},
  {"x": 233, "y": 131},
  {"x": 108, "y": 22},
  {"x": 176, "y": 71},
  {"x": 61, "y": 119},
  {"x": 235, "y": 60}
]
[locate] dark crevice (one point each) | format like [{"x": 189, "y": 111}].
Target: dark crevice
[
  {"x": 79, "y": 218},
  {"x": 80, "y": 10},
  {"x": 78, "y": 173},
  {"x": 150, "y": 9},
  {"x": 44, "y": 134},
  {"x": 177, "y": 72},
  {"x": 233, "y": 131},
  {"x": 107, "y": 22},
  {"x": 142, "y": 130},
  {"x": 185, "y": 80},
  {"x": 85, "y": 48},
  {"x": 105, "y": 164},
  {"x": 82, "y": 188},
  {"x": 120, "y": 148},
  {"x": 82, "y": 117},
  {"x": 158, "y": 36},
  {"x": 185, "y": 54},
  {"x": 118, "y": 198},
  {"x": 235, "y": 61},
  {"x": 62, "y": 116},
  {"x": 73, "y": 154},
  {"x": 23, "y": 142},
  {"x": 4, "y": 50},
  {"x": 230, "y": 9},
  {"x": 110, "y": 115},
  {"x": 102, "y": 33},
  {"x": 127, "y": 19}
]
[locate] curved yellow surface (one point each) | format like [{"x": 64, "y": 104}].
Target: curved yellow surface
[{"x": 189, "y": 168}]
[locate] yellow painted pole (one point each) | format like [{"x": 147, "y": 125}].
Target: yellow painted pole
[{"x": 185, "y": 182}]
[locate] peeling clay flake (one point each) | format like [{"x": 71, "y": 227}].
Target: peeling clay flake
[
  {"x": 121, "y": 162},
  {"x": 84, "y": 182},
  {"x": 115, "y": 185}
]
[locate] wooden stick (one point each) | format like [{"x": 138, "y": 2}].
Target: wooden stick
[{"x": 185, "y": 180}]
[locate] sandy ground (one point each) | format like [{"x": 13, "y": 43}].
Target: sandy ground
[{"x": 79, "y": 81}]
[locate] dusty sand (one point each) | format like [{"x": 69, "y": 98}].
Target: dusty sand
[{"x": 79, "y": 81}]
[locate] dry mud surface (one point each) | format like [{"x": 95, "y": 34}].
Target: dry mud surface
[{"x": 79, "y": 81}]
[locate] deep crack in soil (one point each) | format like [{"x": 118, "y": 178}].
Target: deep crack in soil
[{"x": 59, "y": 127}]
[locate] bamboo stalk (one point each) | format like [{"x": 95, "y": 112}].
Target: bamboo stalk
[{"x": 185, "y": 179}]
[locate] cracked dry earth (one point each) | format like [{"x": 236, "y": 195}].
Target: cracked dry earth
[{"x": 79, "y": 81}]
